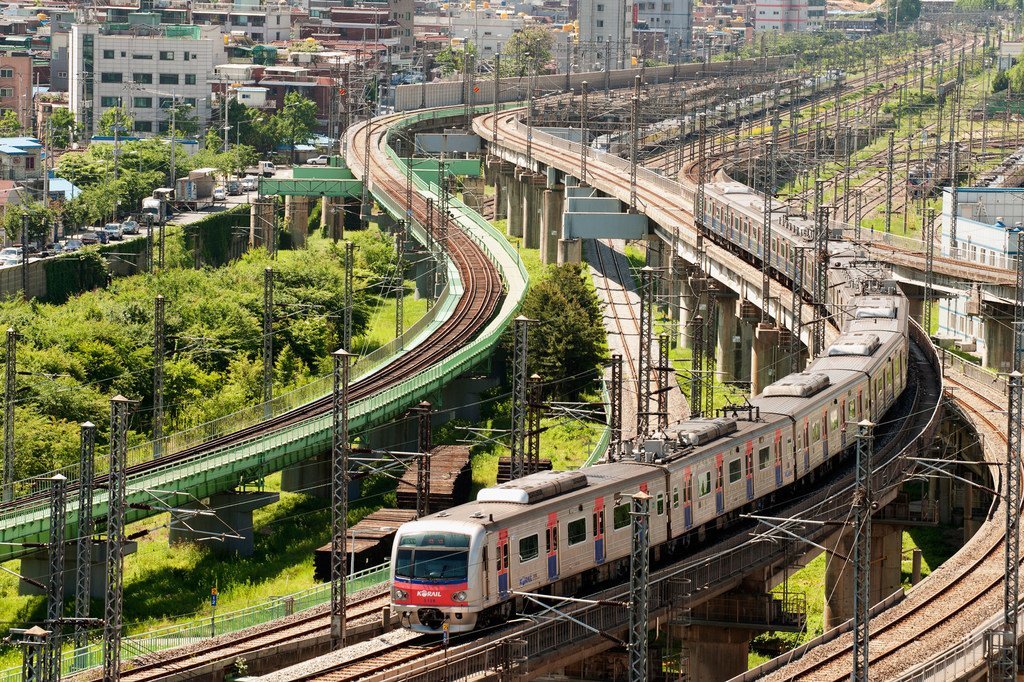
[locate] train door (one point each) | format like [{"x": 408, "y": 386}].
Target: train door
[
  {"x": 842, "y": 424},
  {"x": 501, "y": 564},
  {"x": 807, "y": 444},
  {"x": 687, "y": 498},
  {"x": 599, "y": 530},
  {"x": 778, "y": 458},
  {"x": 860, "y": 404},
  {"x": 824, "y": 434},
  {"x": 719, "y": 492},
  {"x": 750, "y": 469},
  {"x": 552, "y": 546}
]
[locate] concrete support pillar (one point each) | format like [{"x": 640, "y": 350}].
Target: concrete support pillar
[
  {"x": 687, "y": 311},
  {"x": 838, "y": 582},
  {"x": 332, "y": 216},
  {"x": 725, "y": 349},
  {"x": 296, "y": 214},
  {"x": 762, "y": 359},
  {"x": 229, "y": 530},
  {"x": 886, "y": 564},
  {"x": 532, "y": 204},
  {"x": 716, "y": 653},
  {"x": 500, "y": 198},
  {"x": 570, "y": 251},
  {"x": 261, "y": 219},
  {"x": 309, "y": 477},
  {"x": 37, "y": 567},
  {"x": 743, "y": 367},
  {"x": 423, "y": 274},
  {"x": 515, "y": 208},
  {"x": 886, "y": 560},
  {"x": 553, "y": 209},
  {"x": 998, "y": 349}
]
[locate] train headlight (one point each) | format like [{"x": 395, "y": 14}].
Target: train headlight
[
  {"x": 400, "y": 595},
  {"x": 459, "y": 596}
]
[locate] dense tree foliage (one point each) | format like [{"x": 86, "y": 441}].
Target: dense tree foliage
[
  {"x": 62, "y": 128},
  {"x": 527, "y": 51},
  {"x": 569, "y": 339},
  {"x": 73, "y": 357},
  {"x": 116, "y": 119}
]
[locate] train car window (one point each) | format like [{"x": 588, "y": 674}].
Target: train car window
[
  {"x": 734, "y": 471},
  {"x": 547, "y": 541},
  {"x": 529, "y": 548},
  {"x": 704, "y": 484},
  {"x": 598, "y": 523},
  {"x": 577, "y": 531},
  {"x": 504, "y": 554},
  {"x": 852, "y": 410},
  {"x": 686, "y": 493},
  {"x": 718, "y": 477},
  {"x": 660, "y": 503},
  {"x": 834, "y": 414},
  {"x": 498, "y": 559},
  {"x": 816, "y": 432},
  {"x": 763, "y": 458},
  {"x": 620, "y": 516},
  {"x": 675, "y": 498}
]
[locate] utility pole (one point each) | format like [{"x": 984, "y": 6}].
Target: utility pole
[
  {"x": 862, "y": 502},
  {"x": 797, "y": 305},
  {"x": 83, "y": 545},
  {"x": 584, "y": 130},
  {"x": 424, "y": 445},
  {"x": 954, "y": 191},
  {"x": 268, "y": 341},
  {"x": 820, "y": 268},
  {"x": 664, "y": 373},
  {"x": 534, "y": 413},
  {"x": 10, "y": 389},
  {"x": 643, "y": 368},
  {"x": 158, "y": 376},
  {"x": 497, "y": 97},
  {"x": 347, "y": 313},
  {"x": 888, "y": 183},
  {"x": 766, "y": 242},
  {"x": 116, "y": 506},
  {"x": 634, "y": 131},
  {"x": 638, "y": 588},
  {"x": 929, "y": 270},
  {"x": 399, "y": 283},
  {"x": 1002, "y": 640},
  {"x": 1018, "y": 308},
  {"x": 339, "y": 495},
  {"x": 55, "y": 585},
  {"x": 615, "y": 409},
  {"x": 521, "y": 331},
  {"x": 24, "y": 256},
  {"x": 696, "y": 366}
]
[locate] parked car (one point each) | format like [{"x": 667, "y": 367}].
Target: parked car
[
  {"x": 321, "y": 160},
  {"x": 250, "y": 183},
  {"x": 113, "y": 231},
  {"x": 8, "y": 262},
  {"x": 73, "y": 244},
  {"x": 11, "y": 252},
  {"x": 97, "y": 237},
  {"x": 51, "y": 249},
  {"x": 130, "y": 227},
  {"x": 219, "y": 194},
  {"x": 234, "y": 187}
]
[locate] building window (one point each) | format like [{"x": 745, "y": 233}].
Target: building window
[
  {"x": 6, "y": 73},
  {"x": 600, "y": 8},
  {"x": 6, "y": 92},
  {"x": 142, "y": 102},
  {"x": 191, "y": 101},
  {"x": 166, "y": 102},
  {"x": 30, "y": 163},
  {"x": 190, "y": 79},
  {"x": 143, "y": 78},
  {"x": 108, "y": 54},
  {"x": 167, "y": 55},
  {"x": 110, "y": 101},
  {"x": 169, "y": 79},
  {"x": 142, "y": 56},
  {"x": 111, "y": 77},
  {"x": 600, "y": 23},
  {"x": 143, "y": 126}
]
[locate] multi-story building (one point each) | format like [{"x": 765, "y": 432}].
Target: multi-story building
[
  {"x": 785, "y": 16},
  {"x": 673, "y": 19},
  {"x": 605, "y": 33},
  {"x": 16, "y": 85},
  {"x": 142, "y": 67},
  {"x": 263, "y": 21},
  {"x": 489, "y": 28}
]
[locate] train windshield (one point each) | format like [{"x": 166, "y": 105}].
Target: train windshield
[{"x": 433, "y": 556}]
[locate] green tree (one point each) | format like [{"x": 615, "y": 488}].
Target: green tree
[
  {"x": 527, "y": 52},
  {"x": 9, "y": 124},
  {"x": 903, "y": 11},
  {"x": 296, "y": 120},
  {"x": 116, "y": 117},
  {"x": 1001, "y": 81},
  {"x": 62, "y": 128},
  {"x": 186, "y": 122},
  {"x": 452, "y": 61},
  {"x": 40, "y": 221}
]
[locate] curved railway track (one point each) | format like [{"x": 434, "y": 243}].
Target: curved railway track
[
  {"x": 950, "y": 604},
  {"x": 483, "y": 292}
]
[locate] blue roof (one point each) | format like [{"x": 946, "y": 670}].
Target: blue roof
[
  {"x": 12, "y": 151},
  {"x": 20, "y": 143},
  {"x": 62, "y": 186}
]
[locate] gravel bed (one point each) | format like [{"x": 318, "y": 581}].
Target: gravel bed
[{"x": 327, "y": 661}]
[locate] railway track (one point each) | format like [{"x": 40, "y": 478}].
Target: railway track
[
  {"x": 483, "y": 292},
  {"x": 950, "y": 604},
  {"x": 181, "y": 664}
]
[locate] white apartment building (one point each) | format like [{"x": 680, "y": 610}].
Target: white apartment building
[
  {"x": 262, "y": 20},
  {"x": 488, "y": 28},
  {"x": 606, "y": 28},
  {"x": 786, "y": 16},
  {"x": 142, "y": 68},
  {"x": 673, "y": 18}
]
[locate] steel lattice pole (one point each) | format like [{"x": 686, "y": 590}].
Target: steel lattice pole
[
  {"x": 158, "y": 375},
  {"x": 497, "y": 97},
  {"x": 10, "y": 389},
  {"x": 664, "y": 376},
  {"x": 83, "y": 564},
  {"x": 766, "y": 242},
  {"x": 643, "y": 367},
  {"x": 268, "y": 341},
  {"x": 954, "y": 191},
  {"x": 534, "y": 412},
  {"x": 888, "y": 182},
  {"x": 1003, "y": 647},
  {"x": 521, "y": 330},
  {"x": 697, "y": 366},
  {"x": 862, "y": 552},
  {"x": 346, "y": 336},
  {"x": 32, "y": 657},
  {"x": 820, "y": 270},
  {"x": 797, "y": 305},
  {"x": 710, "y": 324},
  {"x": 634, "y": 132},
  {"x": 399, "y": 283},
  {"x": 929, "y": 270},
  {"x": 339, "y": 494},
  {"x": 1018, "y": 309},
  {"x": 638, "y": 589},
  {"x": 55, "y": 586},
  {"x": 423, "y": 461},
  {"x": 114, "y": 602},
  {"x": 584, "y": 130},
  {"x": 615, "y": 411}
]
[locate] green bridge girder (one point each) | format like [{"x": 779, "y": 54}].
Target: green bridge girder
[{"x": 225, "y": 468}]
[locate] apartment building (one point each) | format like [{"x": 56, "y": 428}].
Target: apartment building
[
  {"x": 142, "y": 67},
  {"x": 672, "y": 19},
  {"x": 786, "y": 16},
  {"x": 263, "y": 21},
  {"x": 605, "y": 33},
  {"x": 16, "y": 85}
]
